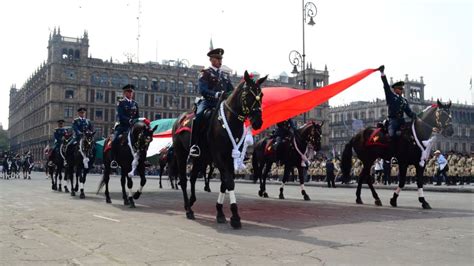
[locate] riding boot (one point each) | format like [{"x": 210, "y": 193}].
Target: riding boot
[{"x": 195, "y": 151}]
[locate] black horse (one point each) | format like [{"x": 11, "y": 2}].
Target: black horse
[
  {"x": 7, "y": 167},
  {"x": 166, "y": 159},
  {"x": 16, "y": 167},
  {"x": 370, "y": 144},
  {"x": 289, "y": 153},
  {"x": 26, "y": 166},
  {"x": 131, "y": 156},
  {"x": 84, "y": 157},
  {"x": 217, "y": 146},
  {"x": 54, "y": 168},
  {"x": 66, "y": 151}
]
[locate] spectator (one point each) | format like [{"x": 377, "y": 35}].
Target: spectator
[
  {"x": 442, "y": 168},
  {"x": 330, "y": 173}
]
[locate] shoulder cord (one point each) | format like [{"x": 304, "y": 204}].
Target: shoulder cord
[
  {"x": 304, "y": 159},
  {"x": 425, "y": 150}
]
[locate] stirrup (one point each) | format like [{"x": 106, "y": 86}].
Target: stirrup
[
  {"x": 195, "y": 151},
  {"x": 113, "y": 164},
  {"x": 50, "y": 163}
]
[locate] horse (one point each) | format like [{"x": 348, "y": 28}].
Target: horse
[
  {"x": 66, "y": 151},
  {"x": 84, "y": 157},
  {"x": 26, "y": 167},
  {"x": 131, "y": 157},
  {"x": 15, "y": 167},
  {"x": 7, "y": 167},
  {"x": 371, "y": 143},
  {"x": 166, "y": 158},
  {"x": 54, "y": 168},
  {"x": 289, "y": 153},
  {"x": 224, "y": 130}
]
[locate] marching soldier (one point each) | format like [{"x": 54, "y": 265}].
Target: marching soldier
[
  {"x": 397, "y": 106},
  {"x": 127, "y": 112},
  {"x": 212, "y": 84},
  {"x": 81, "y": 124}
]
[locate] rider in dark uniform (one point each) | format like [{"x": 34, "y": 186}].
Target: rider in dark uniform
[
  {"x": 397, "y": 106},
  {"x": 58, "y": 138},
  {"x": 127, "y": 112},
  {"x": 283, "y": 130},
  {"x": 81, "y": 124},
  {"x": 212, "y": 83}
]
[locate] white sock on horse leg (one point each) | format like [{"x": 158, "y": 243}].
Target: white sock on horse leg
[
  {"x": 140, "y": 189},
  {"x": 130, "y": 192},
  {"x": 282, "y": 185},
  {"x": 420, "y": 193},
  {"x": 232, "y": 197},
  {"x": 302, "y": 186},
  {"x": 221, "y": 198},
  {"x": 81, "y": 185},
  {"x": 397, "y": 191}
]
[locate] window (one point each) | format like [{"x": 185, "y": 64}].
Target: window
[
  {"x": 95, "y": 80},
  {"x": 172, "y": 86},
  {"x": 143, "y": 83},
  {"x": 116, "y": 80},
  {"x": 163, "y": 85},
  {"x": 68, "y": 112},
  {"x": 158, "y": 100},
  {"x": 140, "y": 98},
  {"x": 69, "y": 94},
  {"x": 104, "y": 79},
  {"x": 77, "y": 54},
  {"x": 154, "y": 84},
  {"x": 99, "y": 114},
  {"x": 99, "y": 96},
  {"x": 180, "y": 86},
  {"x": 70, "y": 73},
  {"x": 190, "y": 87},
  {"x": 135, "y": 81}
]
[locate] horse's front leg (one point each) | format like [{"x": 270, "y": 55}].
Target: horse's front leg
[
  {"x": 161, "y": 174},
  {"x": 141, "y": 172},
  {"x": 192, "y": 180},
  {"x": 82, "y": 181},
  {"x": 419, "y": 183},
  {"x": 402, "y": 173},
  {"x": 207, "y": 179},
  {"x": 301, "y": 175},
  {"x": 123, "y": 176},
  {"x": 183, "y": 182},
  {"x": 286, "y": 173},
  {"x": 263, "y": 180},
  {"x": 228, "y": 184}
]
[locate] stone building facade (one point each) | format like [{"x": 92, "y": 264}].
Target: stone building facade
[
  {"x": 347, "y": 120},
  {"x": 70, "y": 79}
]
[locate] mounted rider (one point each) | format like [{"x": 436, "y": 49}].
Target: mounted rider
[
  {"x": 59, "y": 133},
  {"x": 212, "y": 83},
  {"x": 81, "y": 124},
  {"x": 127, "y": 112},
  {"x": 397, "y": 107},
  {"x": 284, "y": 130}
]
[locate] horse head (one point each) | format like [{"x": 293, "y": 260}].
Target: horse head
[
  {"x": 443, "y": 119},
  {"x": 247, "y": 99},
  {"x": 88, "y": 142},
  {"x": 142, "y": 135},
  {"x": 311, "y": 133}
]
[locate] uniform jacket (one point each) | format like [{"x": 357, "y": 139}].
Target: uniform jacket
[
  {"x": 126, "y": 110},
  {"x": 397, "y": 104},
  {"x": 212, "y": 81},
  {"x": 58, "y": 134},
  {"x": 80, "y": 125}
]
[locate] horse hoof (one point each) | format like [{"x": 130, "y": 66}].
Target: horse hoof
[
  {"x": 192, "y": 200},
  {"x": 60, "y": 189},
  {"x": 66, "y": 190},
  {"x": 161, "y": 186},
  {"x": 359, "y": 201},
  {"x": 107, "y": 200},
  {"x": 393, "y": 202},
  {"x": 221, "y": 219},
  {"x": 82, "y": 195},
  {"x": 136, "y": 195},
  {"x": 190, "y": 215},
  {"x": 76, "y": 188},
  {"x": 54, "y": 187},
  {"x": 260, "y": 193},
  {"x": 265, "y": 194},
  {"x": 378, "y": 202},
  {"x": 305, "y": 196},
  {"x": 207, "y": 189},
  {"x": 235, "y": 222},
  {"x": 73, "y": 193},
  {"x": 126, "y": 202},
  {"x": 132, "y": 203},
  {"x": 281, "y": 196},
  {"x": 426, "y": 206}
]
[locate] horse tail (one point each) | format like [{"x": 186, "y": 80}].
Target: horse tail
[{"x": 346, "y": 161}]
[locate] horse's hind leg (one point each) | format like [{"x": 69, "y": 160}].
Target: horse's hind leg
[
  {"x": 263, "y": 179},
  {"x": 286, "y": 173},
  {"x": 378, "y": 202},
  {"x": 220, "y": 216},
  {"x": 142, "y": 183},
  {"x": 301, "y": 175},
  {"x": 402, "y": 172},
  {"x": 419, "y": 183},
  {"x": 207, "y": 178},
  {"x": 82, "y": 180},
  {"x": 130, "y": 193},
  {"x": 358, "y": 190},
  {"x": 124, "y": 193}
]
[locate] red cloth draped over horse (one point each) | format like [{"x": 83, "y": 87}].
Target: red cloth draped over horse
[{"x": 281, "y": 103}]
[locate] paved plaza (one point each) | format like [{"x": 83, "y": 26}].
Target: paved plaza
[{"x": 39, "y": 226}]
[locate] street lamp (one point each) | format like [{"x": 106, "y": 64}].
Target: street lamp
[
  {"x": 179, "y": 64},
  {"x": 296, "y": 59}
]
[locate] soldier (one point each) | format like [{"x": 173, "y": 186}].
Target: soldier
[
  {"x": 212, "y": 84},
  {"x": 58, "y": 137},
  {"x": 442, "y": 168},
  {"x": 127, "y": 112},
  {"x": 284, "y": 129},
  {"x": 461, "y": 169},
  {"x": 397, "y": 106},
  {"x": 81, "y": 124}
]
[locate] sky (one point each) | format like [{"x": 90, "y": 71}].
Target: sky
[{"x": 429, "y": 38}]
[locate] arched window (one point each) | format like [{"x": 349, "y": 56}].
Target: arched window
[
  {"x": 163, "y": 85},
  {"x": 116, "y": 80},
  {"x": 180, "y": 86},
  {"x": 135, "y": 81},
  {"x": 95, "y": 80},
  {"x": 70, "y": 54},
  {"x": 77, "y": 55},
  {"x": 190, "y": 87},
  {"x": 143, "y": 83},
  {"x": 154, "y": 84},
  {"x": 104, "y": 79},
  {"x": 172, "y": 86},
  {"x": 64, "y": 54},
  {"x": 125, "y": 80}
]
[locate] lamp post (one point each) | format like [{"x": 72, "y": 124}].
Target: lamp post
[
  {"x": 179, "y": 64},
  {"x": 296, "y": 59}
]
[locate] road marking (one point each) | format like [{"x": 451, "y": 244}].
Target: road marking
[{"x": 106, "y": 218}]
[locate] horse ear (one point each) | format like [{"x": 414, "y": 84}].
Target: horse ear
[
  {"x": 449, "y": 104},
  {"x": 261, "y": 80},
  {"x": 93, "y": 133},
  {"x": 246, "y": 76},
  {"x": 154, "y": 128},
  {"x": 438, "y": 102}
]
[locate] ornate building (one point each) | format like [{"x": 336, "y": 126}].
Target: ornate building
[
  {"x": 70, "y": 78},
  {"x": 347, "y": 120}
]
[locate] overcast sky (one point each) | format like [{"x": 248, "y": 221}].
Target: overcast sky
[{"x": 429, "y": 38}]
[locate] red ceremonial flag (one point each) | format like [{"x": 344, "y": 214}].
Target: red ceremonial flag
[{"x": 281, "y": 103}]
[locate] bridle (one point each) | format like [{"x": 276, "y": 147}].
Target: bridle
[{"x": 247, "y": 108}]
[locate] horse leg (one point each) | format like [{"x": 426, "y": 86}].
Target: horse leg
[
  {"x": 124, "y": 193},
  {"x": 263, "y": 185},
  {"x": 161, "y": 173},
  {"x": 106, "y": 182},
  {"x": 70, "y": 174},
  {"x": 141, "y": 172},
  {"x": 130, "y": 193},
  {"x": 79, "y": 172},
  {"x": 207, "y": 180},
  {"x": 229, "y": 185},
  {"x": 419, "y": 183},
  {"x": 192, "y": 180},
  {"x": 82, "y": 181},
  {"x": 378, "y": 202},
  {"x": 402, "y": 172},
  {"x": 301, "y": 175},
  {"x": 220, "y": 217},
  {"x": 183, "y": 182},
  {"x": 286, "y": 173}
]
